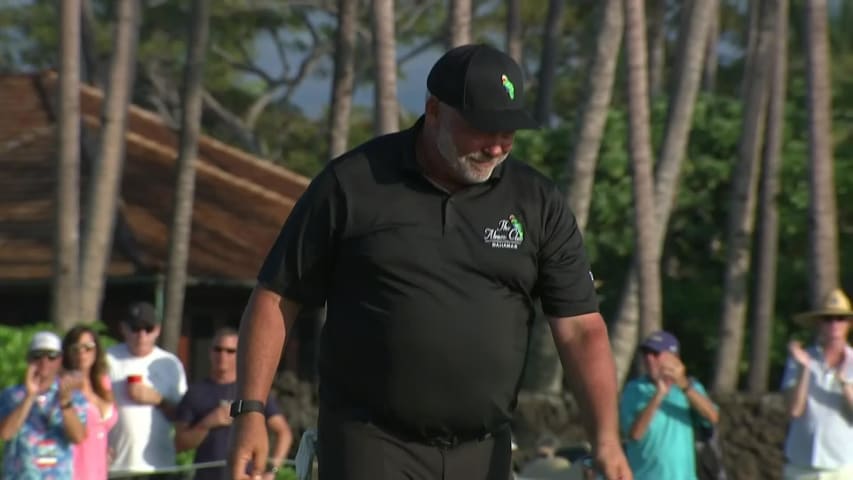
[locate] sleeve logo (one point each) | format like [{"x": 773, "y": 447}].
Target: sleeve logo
[{"x": 509, "y": 233}]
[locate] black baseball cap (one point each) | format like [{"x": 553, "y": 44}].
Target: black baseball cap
[
  {"x": 485, "y": 85},
  {"x": 141, "y": 315}
]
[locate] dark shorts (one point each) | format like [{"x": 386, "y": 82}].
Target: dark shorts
[{"x": 352, "y": 448}]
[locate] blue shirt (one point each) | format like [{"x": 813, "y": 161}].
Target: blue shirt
[
  {"x": 40, "y": 450},
  {"x": 667, "y": 449}
]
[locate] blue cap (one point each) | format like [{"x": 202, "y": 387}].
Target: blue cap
[{"x": 661, "y": 342}]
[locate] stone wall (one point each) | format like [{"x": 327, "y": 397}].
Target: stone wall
[{"x": 752, "y": 428}]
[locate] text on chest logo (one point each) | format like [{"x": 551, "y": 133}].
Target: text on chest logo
[{"x": 509, "y": 233}]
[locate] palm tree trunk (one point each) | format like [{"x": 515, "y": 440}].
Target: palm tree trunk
[
  {"x": 65, "y": 308},
  {"x": 742, "y": 210},
  {"x": 768, "y": 227},
  {"x": 823, "y": 238},
  {"x": 594, "y": 116},
  {"x": 548, "y": 61},
  {"x": 709, "y": 80},
  {"x": 92, "y": 67},
  {"x": 179, "y": 239},
  {"x": 640, "y": 153},
  {"x": 657, "y": 46},
  {"x": 458, "y": 23},
  {"x": 106, "y": 173},
  {"x": 343, "y": 79},
  {"x": 386, "y": 108},
  {"x": 514, "y": 45},
  {"x": 667, "y": 174}
]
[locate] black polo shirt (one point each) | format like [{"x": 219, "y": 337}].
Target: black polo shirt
[{"x": 430, "y": 294}]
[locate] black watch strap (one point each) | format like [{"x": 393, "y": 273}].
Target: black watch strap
[{"x": 244, "y": 406}]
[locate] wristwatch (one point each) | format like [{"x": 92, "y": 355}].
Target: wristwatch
[{"x": 244, "y": 406}]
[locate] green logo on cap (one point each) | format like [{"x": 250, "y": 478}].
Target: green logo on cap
[{"x": 508, "y": 86}]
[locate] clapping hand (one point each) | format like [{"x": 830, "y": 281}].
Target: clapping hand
[
  {"x": 799, "y": 354},
  {"x": 31, "y": 381},
  {"x": 218, "y": 417},
  {"x": 673, "y": 369}
]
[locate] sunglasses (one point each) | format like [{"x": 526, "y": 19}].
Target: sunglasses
[
  {"x": 835, "y": 318},
  {"x": 648, "y": 351},
  {"x": 229, "y": 351},
  {"x": 83, "y": 347},
  {"x": 39, "y": 354},
  {"x": 147, "y": 329}
]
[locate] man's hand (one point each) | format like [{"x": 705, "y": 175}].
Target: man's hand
[
  {"x": 218, "y": 417},
  {"x": 68, "y": 382},
  {"x": 799, "y": 354},
  {"x": 249, "y": 446},
  {"x": 611, "y": 462},
  {"x": 662, "y": 386},
  {"x": 673, "y": 369},
  {"x": 144, "y": 394},
  {"x": 31, "y": 381}
]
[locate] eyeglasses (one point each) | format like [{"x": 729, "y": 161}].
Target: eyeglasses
[
  {"x": 647, "y": 351},
  {"x": 40, "y": 354},
  {"x": 148, "y": 329},
  {"x": 83, "y": 347},
  {"x": 229, "y": 351},
  {"x": 834, "y": 318}
]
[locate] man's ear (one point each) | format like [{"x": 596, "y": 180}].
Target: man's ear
[{"x": 432, "y": 108}]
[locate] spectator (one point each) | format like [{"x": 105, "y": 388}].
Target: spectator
[
  {"x": 148, "y": 382},
  {"x": 818, "y": 383},
  {"x": 658, "y": 412},
  {"x": 203, "y": 419},
  {"x": 82, "y": 352},
  {"x": 43, "y": 417}
]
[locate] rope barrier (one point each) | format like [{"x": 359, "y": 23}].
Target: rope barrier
[{"x": 114, "y": 474}]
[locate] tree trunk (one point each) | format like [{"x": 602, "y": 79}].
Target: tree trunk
[
  {"x": 742, "y": 209},
  {"x": 768, "y": 227},
  {"x": 514, "y": 44},
  {"x": 823, "y": 218},
  {"x": 343, "y": 78},
  {"x": 709, "y": 80},
  {"x": 667, "y": 174},
  {"x": 106, "y": 173},
  {"x": 594, "y": 117},
  {"x": 458, "y": 23},
  {"x": 179, "y": 238},
  {"x": 65, "y": 308},
  {"x": 548, "y": 61},
  {"x": 657, "y": 46},
  {"x": 91, "y": 64},
  {"x": 386, "y": 108},
  {"x": 640, "y": 153}
]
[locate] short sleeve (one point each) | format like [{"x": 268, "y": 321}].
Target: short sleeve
[
  {"x": 7, "y": 402},
  {"x": 300, "y": 261},
  {"x": 697, "y": 385},
  {"x": 630, "y": 404},
  {"x": 791, "y": 373},
  {"x": 79, "y": 403},
  {"x": 565, "y": 284},
  {"x": 272, "y": 409},
  {"x": 181, "y": 385}
]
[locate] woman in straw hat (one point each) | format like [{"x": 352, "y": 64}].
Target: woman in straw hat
[{"x": 818, "y": 383}]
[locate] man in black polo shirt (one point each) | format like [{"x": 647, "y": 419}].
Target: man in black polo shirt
[{"x": 429, "y": 248}]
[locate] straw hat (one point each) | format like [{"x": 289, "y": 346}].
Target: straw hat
[{"x": 836, "y": 304}]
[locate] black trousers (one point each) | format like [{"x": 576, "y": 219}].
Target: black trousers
[{"x": 352, "y": 448}]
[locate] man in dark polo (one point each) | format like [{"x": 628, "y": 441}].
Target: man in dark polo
[{"x": 429, "y": 248}]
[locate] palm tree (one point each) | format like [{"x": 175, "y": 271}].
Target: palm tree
[
  {"x": 548, "y": 61},
  {"x": 709, "y": 79},
  {"x": 513, "y": 30},
  {"x": 65, "y": 308},
  {"x": 668, "y": 171},
  {"x": 458, "y": 23},
  {"x": 823, "y": 239},
  {"x": 106, "y": 173},
  {"x": 594, "y": 114},
  {"x": 640, "y": 153},
  {"x": 768, "y": 226},
  {"x": 179, "y": 241},
  {"x": 742, "y": 210},
  {"x": 386, "y": 108},
  {"x": 343, "y": 79},
  {"x": 657, "y": 46}
]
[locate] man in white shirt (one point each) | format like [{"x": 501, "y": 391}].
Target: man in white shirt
[
  {"x": 148, "y": 383},
  {"x": 818, "y": 383}
]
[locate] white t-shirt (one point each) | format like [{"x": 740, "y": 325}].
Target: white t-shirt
[{"x": 142, "y": 438}]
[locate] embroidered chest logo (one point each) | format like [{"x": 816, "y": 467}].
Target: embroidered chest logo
[{"x": 509, "y": 233}]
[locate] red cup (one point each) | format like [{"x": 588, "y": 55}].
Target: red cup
[{"x": 134, "y": 379}]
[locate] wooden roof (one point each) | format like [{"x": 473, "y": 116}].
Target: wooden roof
[{"x": 240, "y": 200}]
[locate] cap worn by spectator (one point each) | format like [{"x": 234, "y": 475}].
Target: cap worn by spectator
[
  {"x": 484, "y": 85},
  {"x": 45, "y": 342},
  {"x": 836, "y": 304},
  {"x": 661, "y": 342},
  {"x": 141, "y": 315}
]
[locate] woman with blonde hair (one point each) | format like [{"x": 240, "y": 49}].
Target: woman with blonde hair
[{"x": 82, "y": 352}]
